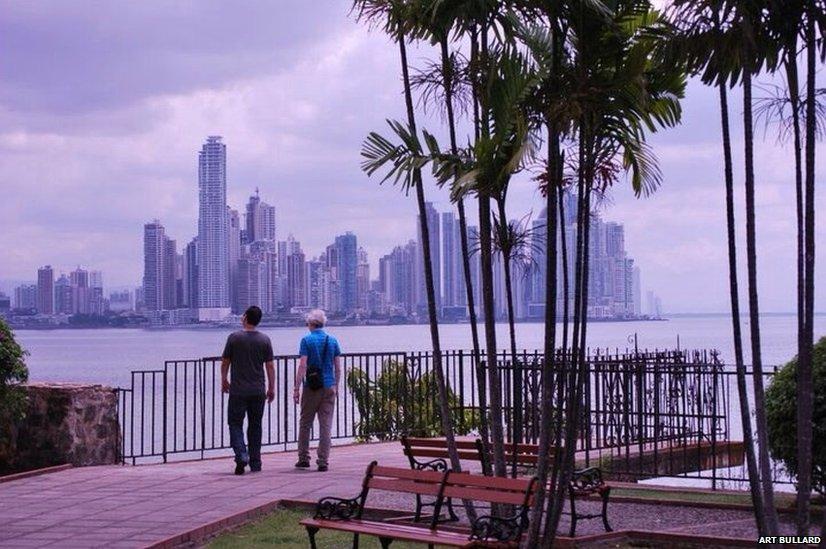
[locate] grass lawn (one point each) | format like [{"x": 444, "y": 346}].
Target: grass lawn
[
  {"x": 281, "y": 529},
  {"x": 744, "y": 498}
]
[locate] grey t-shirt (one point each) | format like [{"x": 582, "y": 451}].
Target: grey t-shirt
[{"x": 247, "y": 351}]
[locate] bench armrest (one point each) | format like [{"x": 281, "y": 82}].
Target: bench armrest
[
  {"x": 331, "y": 508},
  {"x": 439, "y": 465},
  {"x": 501, "y": 529},
  {"x": 587, "y": 480}
]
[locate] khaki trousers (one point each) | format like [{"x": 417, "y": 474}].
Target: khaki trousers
[{"x": 321, "y": 402}]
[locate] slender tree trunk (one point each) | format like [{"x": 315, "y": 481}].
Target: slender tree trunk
[
  {"x": 444, "y": 405},
  {"x": 573, "y": 392},
  {"x": 562, "y": 376},
  {"x": 517, "y": 402},
  {"x": 486, "y": 261},
  {"x": 734, "y": 294},
  {"x": 754, "y": 313},
  {"x": 548, "y": 363},
  {"x": 805, "y": 395},
  {"x": 447, "y": 75}
]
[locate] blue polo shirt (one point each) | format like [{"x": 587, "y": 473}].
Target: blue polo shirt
[{"x": 312, "y": 346}]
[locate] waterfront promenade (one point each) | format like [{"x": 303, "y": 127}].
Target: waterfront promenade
[{"x": 125, "y": 506}]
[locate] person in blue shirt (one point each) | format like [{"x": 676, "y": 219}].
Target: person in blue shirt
[{"x": 318, "y": 351}]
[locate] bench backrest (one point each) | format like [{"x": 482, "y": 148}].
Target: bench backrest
[
  {"x": 512, "y": 491},
  {"x": 398, "y": 479},
  {"x": 416, "y": 447}
]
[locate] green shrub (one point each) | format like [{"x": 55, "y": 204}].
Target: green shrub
[
  {"x": 13, "y": 400},
  {"x": 781, "y": 412},
  {"x": 402, "y": 400}
]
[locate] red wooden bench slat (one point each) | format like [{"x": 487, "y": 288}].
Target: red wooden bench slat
[
  {"x": 410, "y": 474},
  {"x": 440, "y": 453},
  {"x": 499, "y": 483},
  {"x": 408, "y": 486},
  {"x": 480, "y": 494},
  {"x": 396, "y": 531},
  {"x": 440, "y": 443}
]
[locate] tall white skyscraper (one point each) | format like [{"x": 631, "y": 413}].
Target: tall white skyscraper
[{"x": 213, "y": 239}]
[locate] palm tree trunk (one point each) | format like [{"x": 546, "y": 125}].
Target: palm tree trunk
[
  {"x": 734, "y": 293},
  {"x": 805, "y": 396},
  {"x": 548, "y": 378},
  {"x": 516, "y": 367},
  {"x": 754, "y": 313},
  {"x": 485, "y": 244},
  {"x": 444, "y": 406},
  {"x": 447, "y": 73},
  {"x": 574, "y": 384}
]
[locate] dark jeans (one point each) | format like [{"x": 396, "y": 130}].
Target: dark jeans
[{"x": 253, "y": 407}]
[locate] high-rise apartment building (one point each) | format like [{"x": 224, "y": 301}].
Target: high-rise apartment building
[
  {"x": 213, "y": 238},
  {"x": 435, "y": 259},
  {"x": 159, "y": 269},
  {"x": 362, "y": 279},
  {"x": 234, "y": 253},
  {"x": 45, "y": 290},
  {"x": 260, "y": 220},
  {"x": 189, "y": 274},
  {"x": 252, "y": 281},
  {"x": 347, "y": 264},
  {"x": 63, "y": 297},
  {"x": 25, "y": 297}
]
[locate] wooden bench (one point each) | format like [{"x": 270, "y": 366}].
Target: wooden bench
[
  {"x": 346, "y": 515},
  {"x": 431, "y": 454}
]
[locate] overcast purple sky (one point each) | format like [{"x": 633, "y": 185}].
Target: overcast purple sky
[{"x": 104, "y": 105}]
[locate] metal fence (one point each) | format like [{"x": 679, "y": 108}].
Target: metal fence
[{"x": 645, "y": 413}]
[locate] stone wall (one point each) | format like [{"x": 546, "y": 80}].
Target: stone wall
[{"x": 65, "y": 423}]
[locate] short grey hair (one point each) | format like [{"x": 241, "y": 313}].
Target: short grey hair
[{"x": 317, "y": 318}]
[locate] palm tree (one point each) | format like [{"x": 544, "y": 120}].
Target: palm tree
[
  {"x": 444, "y": 83},
  {"x": 620, "y": 91},
  {"x": 718, "y": 41},
  {"x": 393, "y": 16}
]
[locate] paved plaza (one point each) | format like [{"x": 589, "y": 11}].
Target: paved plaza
[{"x": 128, "y": 506}]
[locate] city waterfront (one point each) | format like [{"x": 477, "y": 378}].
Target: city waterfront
[{"x": 108, "y": 355}]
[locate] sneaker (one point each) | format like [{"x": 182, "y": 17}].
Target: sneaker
[
  {"x": 303, "y": 464},
  {"x": 239, "y": 468},
  {"x": 322, "y": 468},
  {"x": 255, "y": 469}
]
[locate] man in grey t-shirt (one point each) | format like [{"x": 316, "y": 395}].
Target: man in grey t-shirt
[{"x": 245, "y": 356}]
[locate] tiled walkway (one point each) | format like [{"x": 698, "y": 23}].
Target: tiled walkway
[{"x": 125, "y": 506}]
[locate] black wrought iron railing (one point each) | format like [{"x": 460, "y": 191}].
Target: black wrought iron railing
[{"x": 645, "y": 413}]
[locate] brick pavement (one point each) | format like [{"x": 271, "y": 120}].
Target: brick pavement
[{"x": 125, "y": 506}]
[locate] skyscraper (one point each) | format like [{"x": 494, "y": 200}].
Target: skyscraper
[
  {"x": 45, "y": 290},
  {"x": 25, "y": 297},
  {"x": 213, "y": 239},
  {"x": 435, "y": 259},
  {"x": 362, "y": 279},
  {"x": 159, "y": 269},
  {"x": 80, "y": 291},
  {"x": 63, "y": 298},
  {"x": 260, "y": 220},
  {"x": 234, "y": 253},
  {"x": 347, "y": 263},
  {"x": 189, "y": 275},
  {"x": 450, "y": 245}
]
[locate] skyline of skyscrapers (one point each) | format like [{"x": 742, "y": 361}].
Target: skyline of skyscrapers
[{"x": 236, "y": 260}]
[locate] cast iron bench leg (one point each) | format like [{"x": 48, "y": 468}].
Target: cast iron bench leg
[
  {"x": 573, "y": 515},
  {"x": 605, "y": 495},
  {"x": 311, "y": 531},
  {"x": 385, "y": 542},
  {"x": 355, "y": 541}
]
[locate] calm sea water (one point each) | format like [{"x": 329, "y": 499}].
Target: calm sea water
[{"x": 108, "y": 355}]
